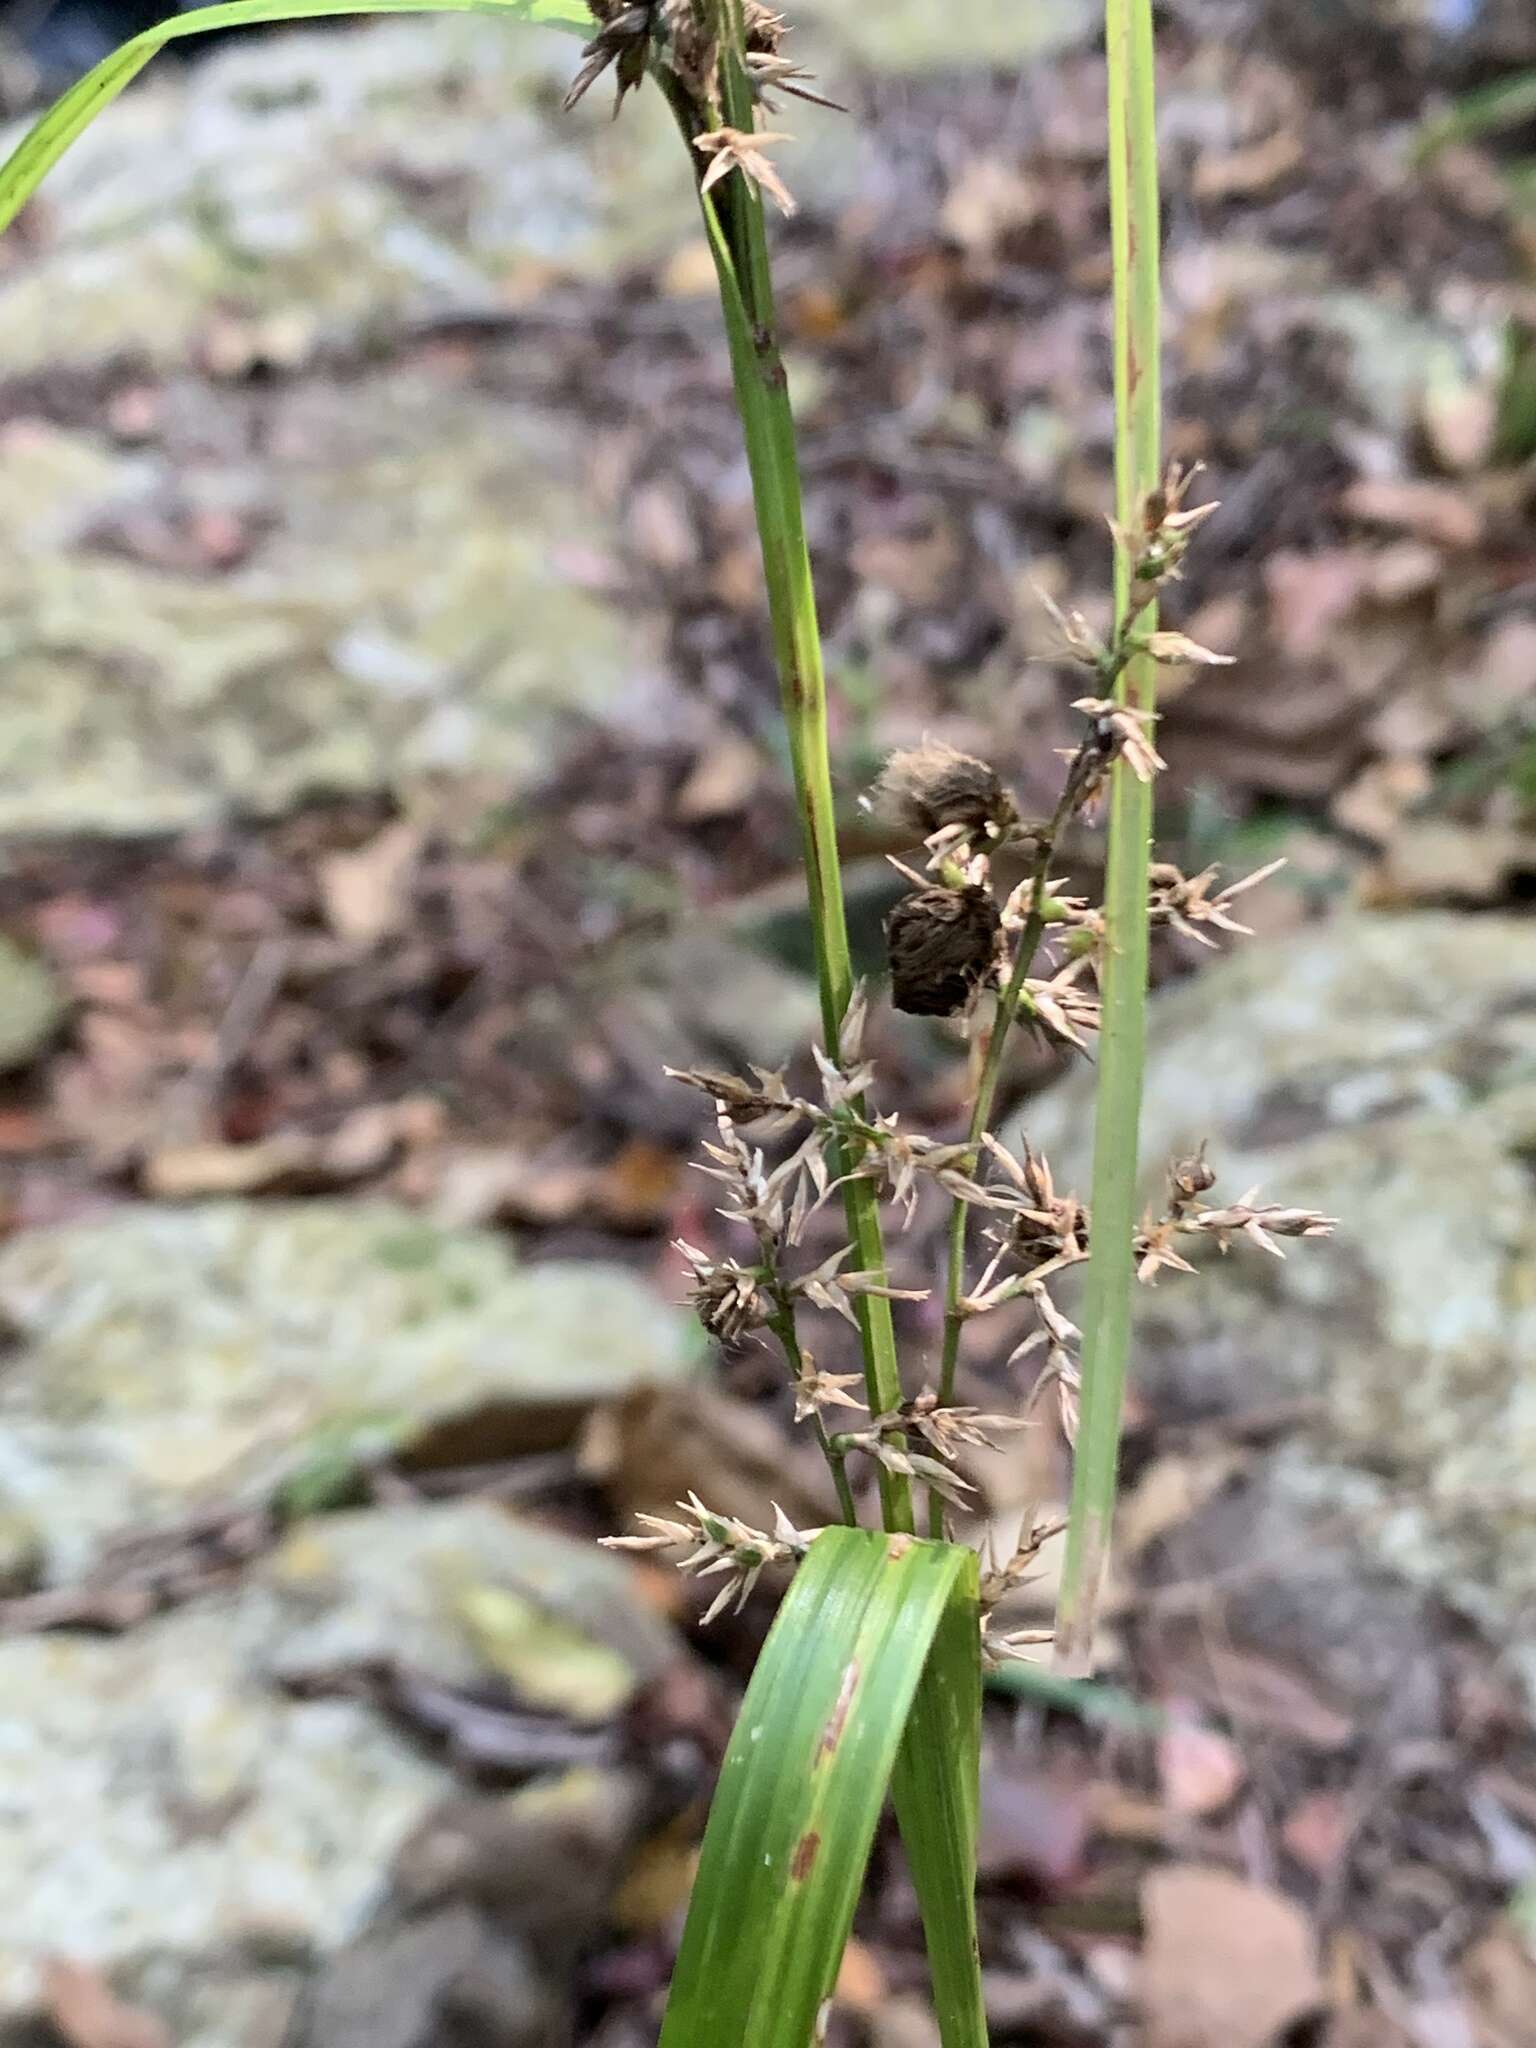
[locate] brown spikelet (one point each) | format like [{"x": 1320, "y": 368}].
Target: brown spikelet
[
  {"x": 930, "y": 788},
  {"x": 942, "y": 945}
]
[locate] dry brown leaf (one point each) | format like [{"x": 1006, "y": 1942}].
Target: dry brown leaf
[
  {"x": 1035, "y": 1826},
  {"x": 659, "y": 1879},
  {"x": 1200, "y": 1770},
  {"x": 1506, "y": 665},
  {"x": 650, "y": 1449},
  {"x": 634, "y": 1191},
  {"x": 903, "y": 2023},
  {"x": 1500, "y": 1979},
  {"x": 362, "y": 1145},
  {"x": 1244, "y": 1686},
  {"x": 1226, "y": 1964},
  {"x": 366, "y": 894},
  {"x": 1310, "y": 595},
  {"x": 637, "y": 1188},
  {"x": 1375, "y": 803},
  {"x": 861, "y": 1985},
  {"x": 495, "y": 1184},
  {"x": 1438, "y": 512},
  {"x": 180, "y": 1173},
  {"x": 690, "y": 272},
  {"x": 988, "y": 201},
  {"x": 1460, "y": 421},
  {"x": 1248, "y": 172},
  {"x": 88, "y": 2013},
  {"x": 1317, "y": 1831},
  {"x": 720, "y": 783},
  {"x": 1167, "y": 1494},
  {"x": 661, "y": 529},
  {"x": 1404, "y": 571},
  {"x": 1432, "y": 860}
]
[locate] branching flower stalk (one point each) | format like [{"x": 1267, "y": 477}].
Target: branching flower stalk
[
  {"x": 1067, "y": 969},
  {"x": 720, "y": 120}
]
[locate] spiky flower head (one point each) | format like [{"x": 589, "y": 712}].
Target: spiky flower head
[{"x": 729, "y": 1299}]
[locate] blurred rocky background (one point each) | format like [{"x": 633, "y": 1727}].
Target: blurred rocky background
[{"x": 390, "y": 783}]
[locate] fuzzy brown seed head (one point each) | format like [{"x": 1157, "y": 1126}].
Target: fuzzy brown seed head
[
  {"x": 942, "y": 946},
  {"x": 934, "y": 787}
]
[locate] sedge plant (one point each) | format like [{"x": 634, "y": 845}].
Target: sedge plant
[{"x": 871, "y": 1678}]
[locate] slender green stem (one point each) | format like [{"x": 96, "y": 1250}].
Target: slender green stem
[
  {"x": 739, "y": 247},
  {"x": 1133, "y": 193}
]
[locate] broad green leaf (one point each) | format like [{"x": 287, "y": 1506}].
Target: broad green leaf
[
  {"x": 46, "y": 141},
  {"x": 936, "y": 1790},
  {"x": 805, "y": 1777}
]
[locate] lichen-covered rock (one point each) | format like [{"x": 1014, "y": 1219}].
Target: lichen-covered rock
[
  {"x": 461, "y": 1593},
  {"x": 333, "y": 183},
  {"x": 346, "y": 582},
  {"x": 1382, "y": 1069},
  {"x": 492, "y": 1902},
  {"x": 399, "y": 616},
  {"x": 180, "y": 1820},
  {"x": 169, "y": 1356}
]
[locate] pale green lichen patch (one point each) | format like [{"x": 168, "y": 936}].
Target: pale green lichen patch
[
  {"x": 1382, "y": 1070},
  {"x": 402, "y": 616},
  {"x": 338, "y": 182},
  {"x": 205, "y": 1835},
  {"x": 172, "y": 1356}
]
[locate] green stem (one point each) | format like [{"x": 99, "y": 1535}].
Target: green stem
[
  {"x": 1134, "y": 227},
  {"x": 739, "y": 247}
]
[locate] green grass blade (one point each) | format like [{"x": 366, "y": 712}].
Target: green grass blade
[
  {"x": 69, "y": 117},
  {"x": 1489, "y": 110},
  {"x": 936, "y": 1789},
  {"x": 1110, "y": 1284},
  {"x": 803, "y": 1782},
  {"x": 1090, "y": 1700}
]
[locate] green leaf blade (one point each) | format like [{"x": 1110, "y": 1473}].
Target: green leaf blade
[
  {"x": 69, "y": 116},
  {"x": 803, "y": 1783},
  {"x": 936, "y": 1787}
]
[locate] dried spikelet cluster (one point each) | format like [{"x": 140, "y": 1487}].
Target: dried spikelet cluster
[
  {"x": 954, "y": 942},
  {"x": 679, "y": 41},
  {"x": 951, "y": 943}
]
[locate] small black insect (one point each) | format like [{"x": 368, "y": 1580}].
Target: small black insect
[{"x": 942, "y": 945}]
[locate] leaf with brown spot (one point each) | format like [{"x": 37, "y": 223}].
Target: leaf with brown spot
[
  {"x": 837, "y": 1720},
  {"x": 873, "y": 1656}
]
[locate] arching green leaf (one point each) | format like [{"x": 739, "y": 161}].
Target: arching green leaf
[
  {"x": 46, "y": 141},
  {"x": 805, "y": 1777}
]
